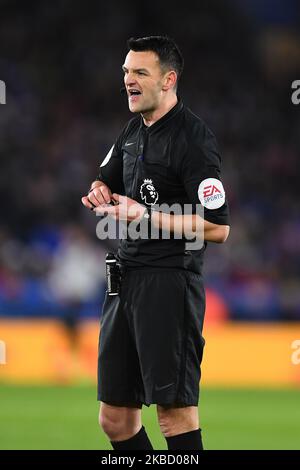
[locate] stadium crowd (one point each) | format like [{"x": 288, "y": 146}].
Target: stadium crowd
[{"x": 61, "y": 63}]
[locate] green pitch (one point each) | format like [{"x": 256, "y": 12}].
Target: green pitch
[{"x": 66, "y": 418}]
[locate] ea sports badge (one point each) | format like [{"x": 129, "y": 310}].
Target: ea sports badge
[{"x": 211, "y": 193}]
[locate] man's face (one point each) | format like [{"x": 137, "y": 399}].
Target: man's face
[{"x": 143, "y": 79}]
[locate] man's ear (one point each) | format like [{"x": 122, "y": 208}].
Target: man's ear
[{"x": 169, "y": 80}]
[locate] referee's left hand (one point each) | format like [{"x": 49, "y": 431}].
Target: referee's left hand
[{"x": 125, "y": 209}]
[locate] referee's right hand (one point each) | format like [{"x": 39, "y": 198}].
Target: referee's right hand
[{"x": 98, "y": 195}]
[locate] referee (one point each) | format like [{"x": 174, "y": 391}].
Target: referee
[{"x": 151, "y": 344}]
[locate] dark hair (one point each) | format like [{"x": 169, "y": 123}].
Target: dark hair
[{"x": 169, "y": 55}]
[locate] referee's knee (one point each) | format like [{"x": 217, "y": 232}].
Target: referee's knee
[
  {"x": 119, "y": 423},
  {"x": 112, "y": 428},
  {"x": 177, "y": 420}
]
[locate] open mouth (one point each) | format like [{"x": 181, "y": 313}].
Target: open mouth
[{"x": 134, "y": 92}]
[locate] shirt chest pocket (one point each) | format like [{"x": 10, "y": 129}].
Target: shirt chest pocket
[
  {"x": 148, "y": 177},
  {"x": 158, "y": 168},
  {"x": 130, "y": 158}
]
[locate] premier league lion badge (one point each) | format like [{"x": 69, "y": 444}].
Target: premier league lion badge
[{"x": 148, "y": 192}]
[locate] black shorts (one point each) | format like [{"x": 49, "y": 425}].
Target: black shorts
[{"x": 151, "y": 344}]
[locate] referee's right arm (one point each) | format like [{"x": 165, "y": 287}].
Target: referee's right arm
[
  {"x": 98, "y": 194},
  {"x": 109, "y": 180}
]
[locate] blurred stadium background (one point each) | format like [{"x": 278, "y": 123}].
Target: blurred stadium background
[{"x": 61, "y": 62}]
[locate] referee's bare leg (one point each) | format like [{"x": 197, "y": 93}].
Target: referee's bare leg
[
  {"x": 180, "y": 427},
  {"x": 123, "y": 427}
]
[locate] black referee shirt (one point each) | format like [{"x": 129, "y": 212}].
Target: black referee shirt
[{"x": 175, "y": 160}]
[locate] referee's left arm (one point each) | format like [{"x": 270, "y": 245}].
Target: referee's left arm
[
  {"x": 191, "y": 225},
  {"x": 200, "y": 172}
]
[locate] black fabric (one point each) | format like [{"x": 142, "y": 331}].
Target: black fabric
[
  {"x": 201, "y": 162},
  {"x": 164, "y": 164},
  {"x": 138, "y": 442},
  {"x": 187, "y": 441},
  {"x": 151, "y": 344}
]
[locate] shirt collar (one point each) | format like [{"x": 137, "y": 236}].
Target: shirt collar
[{"x": 166, "y": 117}]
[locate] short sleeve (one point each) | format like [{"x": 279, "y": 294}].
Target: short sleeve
[
  {"x": 111, "y": 168},
  {"x": 201, "y": 176}
]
